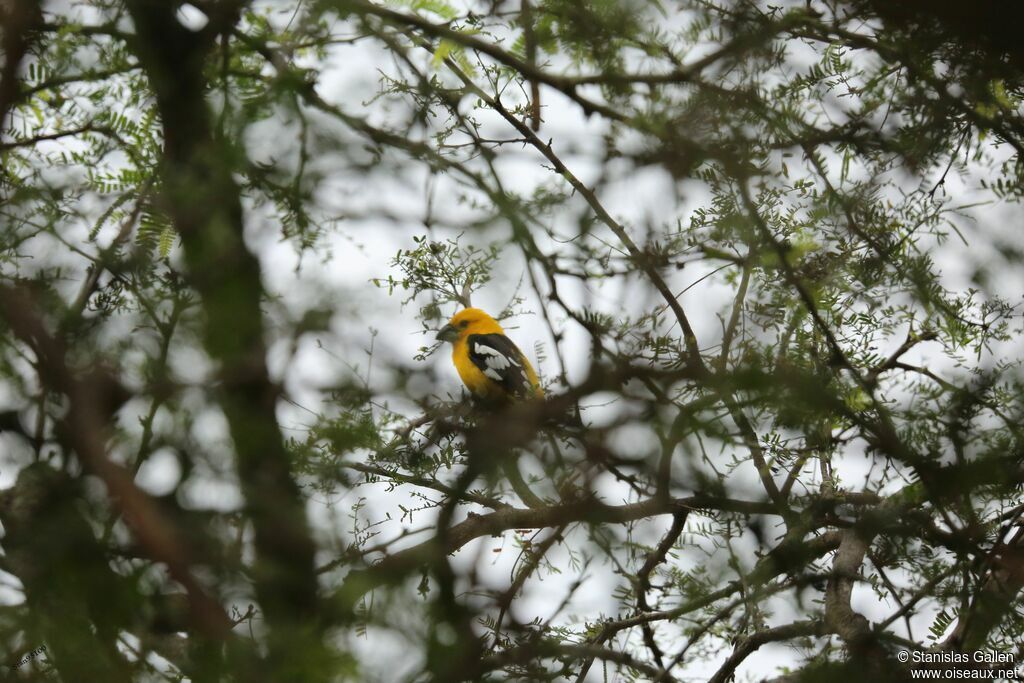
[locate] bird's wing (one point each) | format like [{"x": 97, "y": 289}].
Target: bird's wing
[{"x": 501, "y": 361}]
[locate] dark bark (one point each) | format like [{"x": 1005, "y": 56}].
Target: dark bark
[
  {"x": 75, "y": 604},
  {"x": 991, "y": 28},
  {"x": 18, "y": 18},
  {"x": 203, "y": 201}
]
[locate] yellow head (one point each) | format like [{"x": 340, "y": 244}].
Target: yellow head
[{"x": 466, "y": 322}]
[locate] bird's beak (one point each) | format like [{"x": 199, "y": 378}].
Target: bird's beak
[{"x": 448, "y": 334}]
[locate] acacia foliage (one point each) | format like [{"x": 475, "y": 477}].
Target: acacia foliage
[{"x": 806, "y": 387}]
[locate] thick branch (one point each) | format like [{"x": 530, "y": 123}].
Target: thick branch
[
  {"x": 996, "y": 598},
  {"x": 753, "y": 642},
  {"x": 204, "y": 203},
  {"x": 18, "y": 18},
  {"x": 395, "y": 567},
  {"x": 85, "y": 422},
  {"x": 840, "y": 617}
]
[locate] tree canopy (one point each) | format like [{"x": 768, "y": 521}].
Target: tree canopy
[{"x": 765, "y": 256}]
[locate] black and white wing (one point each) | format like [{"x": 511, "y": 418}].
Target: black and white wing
[{"x": 501, "y": 361}]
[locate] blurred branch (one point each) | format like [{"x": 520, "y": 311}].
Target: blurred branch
[
  {"x": 74, "y": 602},
  {"x": 534, "y": 555},
  {"x": 789, "y": 557},
  {"x": 394, "y": 568},
  {"x": 923, "y": 72},
  {"x": 737, "y": 309},
  {"x": 643, "y": 579},
  {"x": 693, "y": 359},
  {"x": 403, "y": 20},
  {"x": 642, "y": 585},
  {"x": 86, "y": 422},
  {"x": 465, "y": 295},
  {"x": 74, "y": 132},
  {"x": 750, "y": 644},
  {"x": 58, "y": 82},
  {"x": 204, "y": 203},
  {"x": 18, "y": 19},
  {"x": 545, "y": 648},
  {"x": 998, "y": 595},
  {"x": 101, "y": 264},
  {"x": 840, "y": 617},
  {"x": 986, "y": 24},
  {"x": 567, "y": 84},
  {"x": 530, "y": 48}
]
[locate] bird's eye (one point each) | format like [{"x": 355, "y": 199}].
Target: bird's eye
[{"x": 464, "y": 324}]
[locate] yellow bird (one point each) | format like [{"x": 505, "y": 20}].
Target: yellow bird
[{"x": 490, "y": 364}]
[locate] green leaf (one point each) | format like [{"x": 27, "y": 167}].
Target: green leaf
[
  {"x": 444, "y": 48},
  {"x": 166, "y": 241}
]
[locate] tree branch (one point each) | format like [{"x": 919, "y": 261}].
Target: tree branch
[
  {"x": 204, "y": 202},
  {"x": 85, "y": 422},
  {"x": 396, "y": 567}
]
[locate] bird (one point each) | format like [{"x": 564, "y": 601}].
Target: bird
[
  {"x": 489, "y": 363},
  {"x": 496, "y": 373}
]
